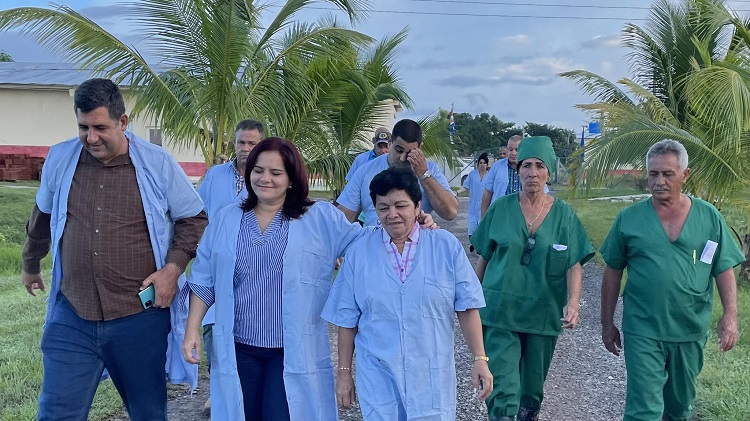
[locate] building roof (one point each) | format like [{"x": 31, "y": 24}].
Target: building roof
[{"x": 43, "y": 74}]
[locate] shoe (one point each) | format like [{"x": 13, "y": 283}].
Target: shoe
[
  {"x": 207, "y": 407},
  {"x": 528, "y": 414},
  {"x": 471, "y": 249}
]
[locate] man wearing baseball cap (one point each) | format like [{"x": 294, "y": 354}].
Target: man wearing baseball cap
[{"x": 379, "y": 147}]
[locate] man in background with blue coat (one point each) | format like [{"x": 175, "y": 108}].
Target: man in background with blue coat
[{"x": 223, "y": 185}]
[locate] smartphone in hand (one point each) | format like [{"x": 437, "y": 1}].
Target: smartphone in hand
[{"x": 147, "y": 297}]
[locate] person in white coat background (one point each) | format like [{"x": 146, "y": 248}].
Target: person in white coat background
[
  {"x": 395, "y": 296},
  {"x": 475, "y": 186}
]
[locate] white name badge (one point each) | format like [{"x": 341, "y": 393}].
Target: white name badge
[{"x": 707, "y": 256}]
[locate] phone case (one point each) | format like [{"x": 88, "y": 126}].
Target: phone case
[{"x": 147, "y": 297}]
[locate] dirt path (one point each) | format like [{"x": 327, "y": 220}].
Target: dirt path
[{"x": 585, "y": 381}]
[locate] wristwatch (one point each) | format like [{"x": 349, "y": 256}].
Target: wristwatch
[
  {"x": 427, "y": 174},
  {"x": 481, "y": 358}
]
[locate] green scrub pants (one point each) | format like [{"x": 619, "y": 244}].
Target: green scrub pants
[
  {"x": 661, "y": 378},
  {"x": 519, "y": 362}
]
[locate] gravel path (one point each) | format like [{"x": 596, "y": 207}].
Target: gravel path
[{"x": 585, "y": 382}]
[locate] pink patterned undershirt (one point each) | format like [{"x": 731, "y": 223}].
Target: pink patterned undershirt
[{"x": 402, "y": 262}]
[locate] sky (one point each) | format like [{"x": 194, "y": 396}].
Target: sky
[{"x": 499, "y": 57}]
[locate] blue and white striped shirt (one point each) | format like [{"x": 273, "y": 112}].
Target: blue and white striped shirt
[{"x": 257, "y": 282}]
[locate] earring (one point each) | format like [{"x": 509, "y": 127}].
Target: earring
[{"x": 290, "y": 186}]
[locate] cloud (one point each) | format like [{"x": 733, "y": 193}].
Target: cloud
[
  {"x": 464, "y": 81},
  {"x": 432, "y": 64},
  {"x": 507, "y": 116},
  {"x": 535, "y": 71},
  {"x": 520, "y": 39},
  {"x": 477, "y": 100},
  {"x": 526, "y": 71},
  {"x": 602, "y": 41}
]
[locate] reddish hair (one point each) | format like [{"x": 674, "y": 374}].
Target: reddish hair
[{"x": 296, "y": 201}]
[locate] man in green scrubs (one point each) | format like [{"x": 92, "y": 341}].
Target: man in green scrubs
[
  {"x": 532, "y": 246},
  {"x": 672, "y": 245}
]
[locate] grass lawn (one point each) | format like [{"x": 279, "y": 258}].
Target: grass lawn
[
  {"x": 21, "y": 320},
  {"x": 22, "y": 317},
  {"x": 724, "y": 385}
]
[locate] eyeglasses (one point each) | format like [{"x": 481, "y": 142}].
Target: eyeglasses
[{"x": 526, "y": 257}]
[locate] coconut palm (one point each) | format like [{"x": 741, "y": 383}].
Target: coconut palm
[
  {"x": 692, "y": 84},
  {"x": 688, "y": 85},
  {"x": 213, "y": 62},
  {"x": 355, "y": 91}
]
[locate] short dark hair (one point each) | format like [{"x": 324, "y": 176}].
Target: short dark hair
[
  {"x": 395, "y": 178},
  {"x": 95, "y": 93},
  {"x": 296, "y": 201},
  {"x": 484, "y": 157},
  {"x": 249, "y": 125},
  {"x": 408, "y": 130}
]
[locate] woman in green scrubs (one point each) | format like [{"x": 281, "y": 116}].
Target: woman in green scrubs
[{"x": 532, "y": 246}]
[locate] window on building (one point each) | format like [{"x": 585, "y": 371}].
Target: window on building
[{"x": 154, "y": 136}]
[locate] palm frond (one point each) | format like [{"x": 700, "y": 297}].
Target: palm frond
[
  {"x": 625, "y": 147},
  {"x": 600, "y": 88},
  {"x": 436, "y": 140}
]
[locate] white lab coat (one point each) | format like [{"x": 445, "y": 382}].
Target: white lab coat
[
  {"x": 315, "y": 240},
  {"x": 219, "y": 189},
  {"x": 167, "y": 196},
  {"x": 476, "y": 189},
  {"x": 405, "y": 365}
]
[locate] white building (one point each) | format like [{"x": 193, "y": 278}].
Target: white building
[{"x": 36, "y": 112}]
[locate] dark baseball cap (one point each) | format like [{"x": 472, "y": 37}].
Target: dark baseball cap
[{"x": 382, "y": 135}]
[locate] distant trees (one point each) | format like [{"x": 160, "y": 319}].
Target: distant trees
[
  {"x": 484, "y": 131},
  {"x": 5, "y": 56}
]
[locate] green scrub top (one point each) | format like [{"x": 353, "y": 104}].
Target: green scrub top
[
  {"x": 669, "y": 292},
  {"x": 528, "y": 298}
]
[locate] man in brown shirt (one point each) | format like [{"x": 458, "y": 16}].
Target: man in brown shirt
[{"x": 119, "y": 215}]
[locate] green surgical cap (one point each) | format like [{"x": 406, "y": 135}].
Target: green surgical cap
[{"x": 539, "y": 147}]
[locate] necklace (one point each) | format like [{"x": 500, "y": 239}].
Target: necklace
[{"x": 541, "y": 208}]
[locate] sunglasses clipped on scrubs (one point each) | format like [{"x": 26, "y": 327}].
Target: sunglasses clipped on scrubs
[{"x": 526, "y": 257}]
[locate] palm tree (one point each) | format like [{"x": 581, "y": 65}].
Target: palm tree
[
  {"x": 692, "y": 84},
  {"x": 671, "y": 96},
  {"x": 214, "y": 63},
  {"x": 354, "y": 92}
]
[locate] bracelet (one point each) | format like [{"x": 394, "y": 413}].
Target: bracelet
[
  {"x": 345, "y": 368},
  {"x": 481, "y": 358}
]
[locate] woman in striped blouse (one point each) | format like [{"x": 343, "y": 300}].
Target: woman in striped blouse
[{"x": 267, "y": 265}]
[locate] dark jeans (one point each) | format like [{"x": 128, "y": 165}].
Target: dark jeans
[
  {"x": 76, "y": 351},
  {"x": 261, "y": 373}
]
